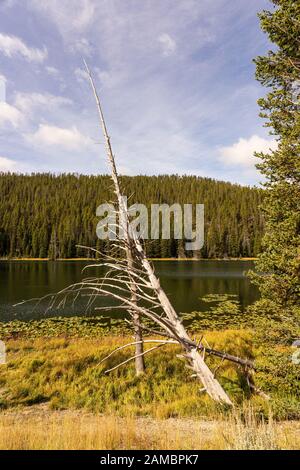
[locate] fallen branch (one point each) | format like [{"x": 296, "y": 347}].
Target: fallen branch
[
  {"x": 133, "y": 344},
  {"x": 134, "y": 357},
  {"x": 224, "y": 356}
]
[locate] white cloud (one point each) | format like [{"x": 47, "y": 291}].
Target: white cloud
[
  {"x": 108, "y": 79},
  {"x": 52, "y": 136},
  {"x": 6, "y": 164},
  {"x": 52, "y": 71},
  {"x": 13, "y": 46},
  {"x": 10, "y": 115},
  {"x": 168, "y": 44},
  {"x": 28, "y": 102},
  {"x": 81, "y": 75},
  {"x": 83, "y": 47},
  {"x": 241, "y": 153},
  {"x": 133, "y": 50},
  {"x": 105, "y": 77},
  {"x": 71, "y": 15}
]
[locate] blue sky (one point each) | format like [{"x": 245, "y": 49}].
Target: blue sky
[{"x": 175, "y": 77}]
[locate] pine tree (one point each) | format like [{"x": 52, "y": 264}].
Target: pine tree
[
  {"x": 53, "y": 252},
  {"x": 279, "y": 70},
  {"x": 31, "y": 206}
]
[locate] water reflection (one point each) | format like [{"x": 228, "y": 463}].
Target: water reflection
[{"x": 185, "y": 282}]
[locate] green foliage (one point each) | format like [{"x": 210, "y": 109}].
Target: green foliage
[
  {"x": 223, "y": 303},
  {"x": 279, "y": 71},
  {"x": 88, "y": 327},
  {"x": 224, "y": 312},
  {"x": 45, "y": 215},
  {"x": 276, "y": 373},
  {"x": 274, "y": 325}
]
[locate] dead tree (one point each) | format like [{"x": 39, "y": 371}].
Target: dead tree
[
  {"x": 132, "y": 282},
  {"x": 137, "y": 276},
  {"x": 124, "y": 224}
]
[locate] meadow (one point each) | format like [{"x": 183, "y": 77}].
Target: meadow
[{"x": 53, "y": 380}]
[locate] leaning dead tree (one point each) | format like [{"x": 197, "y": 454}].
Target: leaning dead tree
[
  {"x": 147, "y": 299},
  {"x": 132, "y": 285},
  {"x": 125, "y": 227}
]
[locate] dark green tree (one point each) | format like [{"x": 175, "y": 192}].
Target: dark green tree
[
  {"x": 47, "y": 215},
  {"x": 279, "y": 70}
]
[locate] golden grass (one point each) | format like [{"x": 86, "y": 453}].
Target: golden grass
[
  {"x": 67, "y": 430},
  {"x": 54, "y": 395},
  {"x": 65, "y": 372}
]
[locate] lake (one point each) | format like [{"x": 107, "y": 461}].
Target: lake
[{"x": 185, "y": 282}]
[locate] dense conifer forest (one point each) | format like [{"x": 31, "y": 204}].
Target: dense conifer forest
[{"x": 43, "y": 215}]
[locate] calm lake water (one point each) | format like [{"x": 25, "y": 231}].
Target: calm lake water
[{"x": 184, "y": 281}]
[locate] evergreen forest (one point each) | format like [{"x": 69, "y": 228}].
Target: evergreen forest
[{"x": 46, "y": 215}]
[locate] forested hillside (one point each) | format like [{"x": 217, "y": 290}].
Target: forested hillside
[{"x": 44, "y": 215}]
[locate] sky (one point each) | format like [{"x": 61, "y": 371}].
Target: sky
[{"x": 175, "y": 77}]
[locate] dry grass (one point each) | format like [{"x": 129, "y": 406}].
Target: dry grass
[
  {"x": 244, "y": 431},
  {"x": 38, "y": 427},
  {"x": 54, "y": 395},
  {"x": 66, "y": 373}
]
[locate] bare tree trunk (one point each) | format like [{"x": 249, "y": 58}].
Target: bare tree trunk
[
  {"x": 173, "y": 323},
  {"x": 139, "y": 363},
  {"x": 210, "y": 383},
  {"x": 139, "y": 347}
]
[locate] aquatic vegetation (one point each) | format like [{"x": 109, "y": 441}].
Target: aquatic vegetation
[
  {"x": 64, "y": 326},
  {"x": 224, "y": 312}
]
